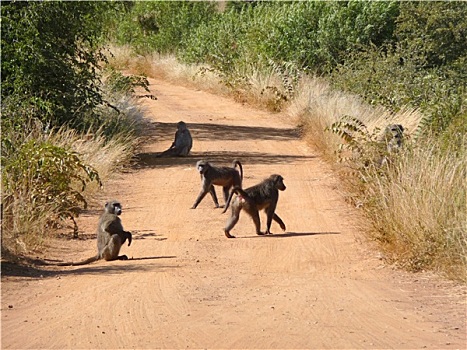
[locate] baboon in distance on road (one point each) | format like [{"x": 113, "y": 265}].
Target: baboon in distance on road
[
  {"x": 261, "y": 196},
  {"x": 182, "y": 144},
  {"x": 226, "y": 177},
  {"x": 110, "y": 236}
]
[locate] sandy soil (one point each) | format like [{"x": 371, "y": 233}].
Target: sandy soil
[{"x": 318, "y": 285}]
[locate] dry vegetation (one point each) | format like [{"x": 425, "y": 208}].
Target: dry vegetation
[{"x": 26, "y": 226}]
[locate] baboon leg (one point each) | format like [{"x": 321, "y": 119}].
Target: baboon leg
[
  {"x": 225, "y": 189},
  {"x": 270, "y": 215},
  {"x": 232, "y": 221},
  {"x": 200, "y": 197},
  {"x": 203, "y": 193},
  {"x": 212, "y": 191},
  {"x": 255, "y": 216},
  {"x": 111, "y": 250},
  {"x": 277, "y": 219},
  {"x": 184, "y": 151}
]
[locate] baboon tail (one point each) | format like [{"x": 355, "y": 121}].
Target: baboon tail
[
  {"x": 235, "y": 163},
  {"x": 229, "y": 199},
  {"x": 84, "y": 262}
]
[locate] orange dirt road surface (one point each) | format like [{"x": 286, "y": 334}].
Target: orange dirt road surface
[{"x": 318, "y": 285}]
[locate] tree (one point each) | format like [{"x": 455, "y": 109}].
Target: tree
[{"x": 50, "y": 59}]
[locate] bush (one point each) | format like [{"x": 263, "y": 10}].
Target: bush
[
  {"x": 161, "y": 26},
  {"x": 50, "y": 58},
  {"x": 426, "y": 68},
  {"x": 38, "y": 175}
]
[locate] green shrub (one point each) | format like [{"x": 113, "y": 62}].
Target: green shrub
[
  {"x": 161, "y": 26},
  {"x": 37, "y": 174},
  {"x": 50, "y": 58}
]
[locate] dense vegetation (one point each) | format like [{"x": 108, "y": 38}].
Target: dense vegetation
[
  {"x": 55, "y": 115},
  {"x": 407, "y": 60}
]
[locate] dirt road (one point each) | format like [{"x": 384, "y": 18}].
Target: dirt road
[{"x": 318, "y": 285}]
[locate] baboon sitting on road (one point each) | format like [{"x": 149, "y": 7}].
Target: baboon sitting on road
[
  {"x": 182, "y": 144},
  {"x": 261, "y": 196},
  {"x": 110, "y": 236},
  {"x": 226, "y": 177}
]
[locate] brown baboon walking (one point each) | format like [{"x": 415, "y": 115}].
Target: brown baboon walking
[
  {"x": 182, "y": 144},
  {"x": 261, "y": 196},
  {"x": 227, "y": 177},
  {"x": 110, "y": 236}
]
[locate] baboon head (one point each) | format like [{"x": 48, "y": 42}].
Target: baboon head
[
  {"x": 202, "y": 166},
  {"x": 181, "y": 125},
  {"x": 394, "y": 137},
  {"x": 113, "y": 207},
  {"x": 278, "y": 181}
]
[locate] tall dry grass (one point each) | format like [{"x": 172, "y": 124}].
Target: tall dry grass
[
  {"x": 316, "y": 107},
  {"x": 418, "y": 209}
]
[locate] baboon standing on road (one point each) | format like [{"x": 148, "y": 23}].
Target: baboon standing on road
[
  {"x": 226, "y": 177},
  {"x": 110, "y": 236},
  {"x": 182, "y": 144},
  {"x": 261, "y": 196}
]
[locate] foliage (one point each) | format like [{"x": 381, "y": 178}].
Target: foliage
[
  {"x": 313, "y": 35},
  {"x": 425, "y": 68},
  {"x": 434, "y": 31},
  {"x": 161, "y": 26},
  {"x": 362, "y": 149},
  {"x": 52, "y": 55},
  {"x": 119, "y": 83},
  {"x": 418, "y": 209},
  {"x": 38, "y": 173},
  {"x": 415, "y": 197},
  {"x": 51, "y": 59}
]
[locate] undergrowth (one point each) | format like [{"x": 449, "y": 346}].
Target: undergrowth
[{"x": 50, "y": 175}]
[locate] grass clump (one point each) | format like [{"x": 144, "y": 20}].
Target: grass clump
[{"x": 418, "y": 209}]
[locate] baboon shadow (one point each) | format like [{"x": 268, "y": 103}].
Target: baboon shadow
[
  {"x": 153, "y": 258},
  {"x": 291, "y": 234}
]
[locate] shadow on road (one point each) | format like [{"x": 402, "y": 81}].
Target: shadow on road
[
  {"x": 165, "y": 132},
  {"x": 203, "y": 131},
  {"x": 149, "y": 159},
  {"x": 291, "y": 234}
]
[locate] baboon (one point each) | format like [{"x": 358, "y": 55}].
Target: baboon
[
  {"x": 261, "y": 196},
  {"x": 393, "y": 136},
  {"x": 226, "y": 177},
  {"x": 393, "y": 139},
  {"x": 182, "y": 144},
  {"x": 110, "y": 236}
]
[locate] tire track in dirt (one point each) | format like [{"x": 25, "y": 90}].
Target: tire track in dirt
[{"x": 188, "y": 286}]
